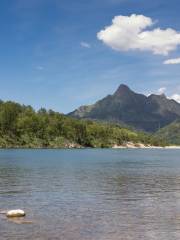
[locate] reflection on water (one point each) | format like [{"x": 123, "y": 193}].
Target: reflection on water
[{"x": 91, "y": 194}]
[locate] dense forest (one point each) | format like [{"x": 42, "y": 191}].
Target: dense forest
[
  {"x": 22, "y": 126},
  {"x": 171, "y": 133}
]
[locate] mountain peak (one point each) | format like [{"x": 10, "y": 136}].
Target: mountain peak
[
  {"x": 134, "y": 109},
  {"x": 122, "y": 89},
  {"x": 158, "y": 96}
]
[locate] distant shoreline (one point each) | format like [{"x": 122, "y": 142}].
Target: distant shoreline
[
  {"x": 124, "y": 146},
  {"x": 131, "y": 145}
]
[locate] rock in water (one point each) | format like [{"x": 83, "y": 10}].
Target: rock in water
[{"x": 15, "y": 213}]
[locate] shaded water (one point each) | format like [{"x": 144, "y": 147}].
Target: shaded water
[{"x": 91, "y": 194}]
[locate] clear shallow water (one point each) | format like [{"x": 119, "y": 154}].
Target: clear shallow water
[{"x": 91, "y": 194}]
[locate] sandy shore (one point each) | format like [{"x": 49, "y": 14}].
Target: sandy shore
[
  {"x": 140, "y": 145},
  {"x": 172, "y": 147}
]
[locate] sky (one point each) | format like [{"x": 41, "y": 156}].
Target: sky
[{"x": 60, "y": 54}]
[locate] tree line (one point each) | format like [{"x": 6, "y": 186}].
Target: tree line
[{"x": 22, "y": 126}]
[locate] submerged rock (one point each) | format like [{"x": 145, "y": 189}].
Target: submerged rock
[{"x": 15, "y": 213}]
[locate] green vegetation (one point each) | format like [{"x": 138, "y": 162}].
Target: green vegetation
[
  {"x": 22, "y": 126},
  {"x": 171, "y": 133}
]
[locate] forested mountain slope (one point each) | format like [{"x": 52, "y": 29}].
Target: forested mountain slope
[{"x": 137, "y": 110}]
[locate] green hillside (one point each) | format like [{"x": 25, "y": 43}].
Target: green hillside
[
  {"x": 171, "y": 133},
  {"x": 22, "y": 126}
]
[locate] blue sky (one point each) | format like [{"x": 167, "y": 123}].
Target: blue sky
[{"x": 50, "y": 55}]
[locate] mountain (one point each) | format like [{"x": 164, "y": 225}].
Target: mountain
[
  {"x": 137, "y": 110},
  {"x": 171, "y": 133}
]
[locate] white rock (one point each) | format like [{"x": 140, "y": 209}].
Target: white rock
[{"x": 15, "y": 213}]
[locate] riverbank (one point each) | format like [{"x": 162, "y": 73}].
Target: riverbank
[
  {"x": 140, "y": 145},
  {"x": 128, "y": 145}
]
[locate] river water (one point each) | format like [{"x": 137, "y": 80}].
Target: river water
[{"x": 86, "y": 194}]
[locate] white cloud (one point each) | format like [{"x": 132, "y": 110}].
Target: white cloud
[
  {"x": 131, "y": 33},
  {"x": 176, "y": 97},
  {"x": 85, "y": 45},
  {"x": 172, "y": 61},
  {"x": 161, "y": 90}
]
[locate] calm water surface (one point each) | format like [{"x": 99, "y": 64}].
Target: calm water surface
[{"x": 91, "y": 194}]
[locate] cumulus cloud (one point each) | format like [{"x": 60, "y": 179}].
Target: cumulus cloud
[
  {"x": 85, "y": 45},
  {"x": 161, "y": 90},
  {"x": 176, "y": 97},
  {"x": 172, "y": 61},
  {"x": 132, "y": 33}
]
